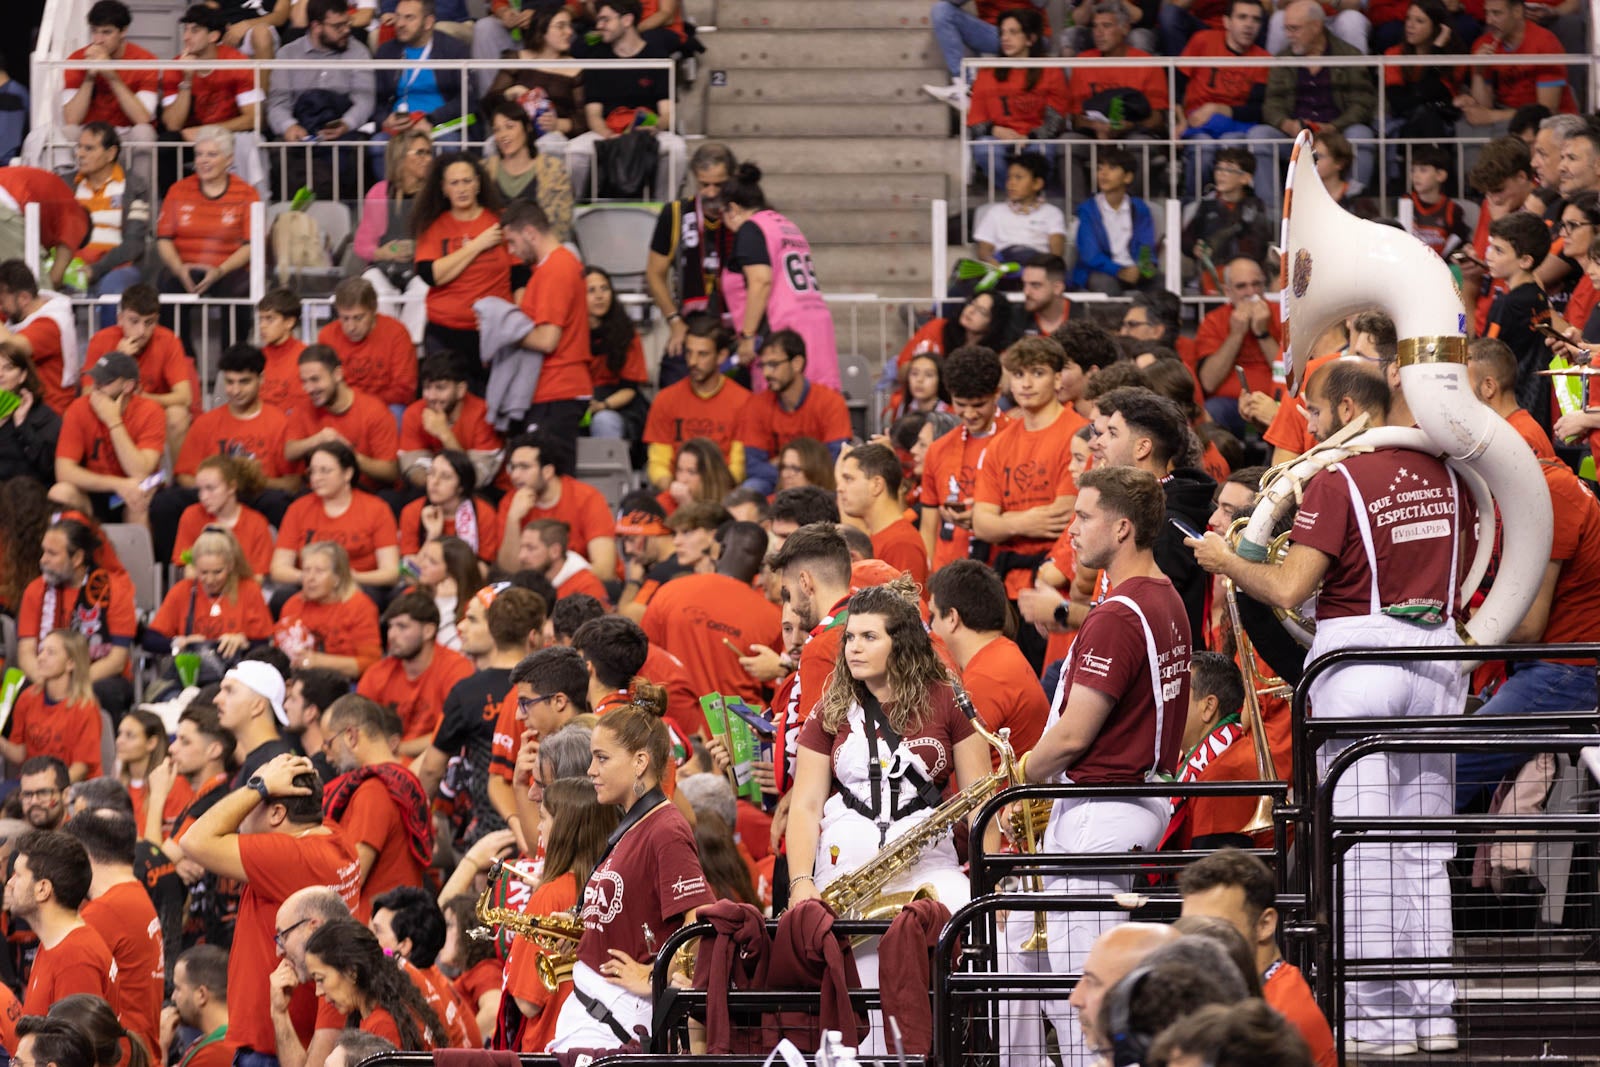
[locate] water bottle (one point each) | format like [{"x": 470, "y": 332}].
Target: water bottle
[{"x": 947, "y": 529}]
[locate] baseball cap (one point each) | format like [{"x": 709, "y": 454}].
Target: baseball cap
[
  {"x": 112, "y": 367},
  {"x": 264, "y": 681},
  {"x": 642, "y": 524}
]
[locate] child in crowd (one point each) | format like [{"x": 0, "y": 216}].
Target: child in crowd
[
  {"x": 1116, "y": 232},
  {"x": 1231, "y": 220},
  {"x": 1436, "y": 219},
  {"x": 1517, "y": 244},
  {"x": 1026, "y": 224}
]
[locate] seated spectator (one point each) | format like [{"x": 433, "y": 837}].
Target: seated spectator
[
  {"x": 959, "y": 34},
  {"x": 791, "y": 407},
  {"x": 805, "y": 461},
  {"x": 329, "y": 623},
  {"x": 278, "y": 328},
  {"x": 1234, "y": 1035},
  {"x": 359, "y": 523},
  {"x": 410, "y": 928},
  {"x": 63, "y": 224},
  {"x": 1044, "y": 300},
  {"x": 218, "y": 483},
  {"x": 1300, "y": 99},
  {"x": 449, "y": 572},
  {"x": 446, "y": 418},
  {"x": 57, "y": 715},
  {"x": 1578, "y": 170},
  {"x": 1115, "y": 256},
  {"x": 1025, "y": 225},
  {"x": 698, "y": 473},
  {"x": 28, "y": 435},
  {"x": 460, "y": 254},
  {"x": 1231, "y": 221},
  {"x": 192, "y": 100},
  {"x": 924, "y": 390},
  {"x": 423, "y": 97},
  {"x": 542, "y": 487},
  {"x": 619, "y": 100},
  {"x": 616, "y": 364},
  {"x": 1218, "y": 102},
  {"x": 543, "y": 547},
  {"x": 649, "y": 556},
  {"x": 366, "y": 987},
  {"x": 1422, "y": 99},
  {"x": 324, "y": 105},
  {"x": 520, "y": 171},
  {"x": 41, "y": 326},
  {"x": 985, "y": 320},
  {"x": 1243, "y": 335},
  {"x": 1497, "y": 92},
  {"x": 1134, "y": 98},
  {"x": 384, "y": 236},
  {"x": 218, "y": 610},
  {"x": 166, "y": 373},
  {"x": 416, "y": 675},
  {"x": 552, "y": 99},
  {"x": 1436, "y": 219},
  {"x": 118, "y": 203},
  {"x": 450, "y": 508},
  {"x": 375, "y": 351},
  {"x": 1009, "y": 106},
  {"x": 125, "y": 100},
  {"x": 1345, "y": 20},
  {"x": 203, "y": 235},
  {"x": 110, "y": 443},
  {"x": 13, "y": 117},
  {"x": 1334, "y": 157},
  {"x": 705, "y": 404},
  {"x": 340, "y": 414},
  {"x": 694, "y": 529}
]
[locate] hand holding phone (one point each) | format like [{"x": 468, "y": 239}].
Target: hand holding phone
[
  {"x": 1244, "y": 383},
  {"x": 1184, "y": 528}
]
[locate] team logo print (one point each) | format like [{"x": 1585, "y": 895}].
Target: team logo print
[
  {"x": 1302, "y": 272},
  {"x": 602, "y": 898}
]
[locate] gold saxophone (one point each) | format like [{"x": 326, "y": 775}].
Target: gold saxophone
[{"x": 555, "y": 936}]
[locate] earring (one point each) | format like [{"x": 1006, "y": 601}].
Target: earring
[{"x": 638, "y": 787}]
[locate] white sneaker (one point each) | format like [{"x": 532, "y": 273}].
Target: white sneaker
[
  {"x": 1379, "y": 1050},
  {"x": 1437, "y": 1035},
  {"x": 954, "y": 94},
  {"x": 1440, "y": 1043}
]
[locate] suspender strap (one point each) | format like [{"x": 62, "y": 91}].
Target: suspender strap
[
  {"x": 600, "y": 1013},
  {"x": 1155, "y": 673}
]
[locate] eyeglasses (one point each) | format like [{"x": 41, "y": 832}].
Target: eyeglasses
[
  {"x": 769, "y": 365},
  {"x": 527, "y": 704},
  {"x": 1572, "y": 225},
  {"x": 279, "y": 937},
  {"x": 40, "y": 794}
]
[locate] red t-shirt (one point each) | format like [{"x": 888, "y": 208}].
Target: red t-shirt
[
  {"x": 126, "y": 920},
  {"x": 1286, "y": 992},
  {"x": 244, "y": 613},
  {"x": 78, "y": 963},
  {"x": 219, "y": 432},
  {"x": 62, "y": 220},
  {"x": 69, "y": 732},
  {"x": 1413, "y": 518},
  {"x": 633, "y": 371},
  {"x": 471, "y": 427},
  {"x": 1110, "y": 655},
  {"x": 342, "y": 627},
  {"x": 583, "y": 582},
  {"x": 419, "y": 702},
  {"x": 1529, "y": 430},
  {"x": 280, "y": 382},
  {"x": 215, "y": 96},
  {"x": 556, "y": 295},
  {"x": 900, "y": 546},
  {"x": 1229, "y": 86},
  {"x": 822, "y": 414},
  {"x": 679, "y": 413},
  {"x": 951, "y": 465},
  {"x": 107, "y": 616},
  {"x": 522, "y": 973},
  {"x": 251, "y": 530},
  {"x": 163, "y": 363},
  {"x": 693, "y": 615},
  {"x": 489, "y": 273},
  {"x": 1519, "y": 86},
  {"x": 104, "y": 106},
  {"x": 1087, "y": 81},
  {"x": 372, "y": 819},
  {"x": 204, "y": 229},
  {"x": 683, "y": 703},
  {"x": 382, "y": 365},
  {"x": 276, "y": 865},
  {"x": 646, "y": 884},
  {"x": 582, "y": 507},
  {"x": 367, "y": 424},
  {"x": 488, "y": 535},
  {"x": 1022, "y": 469},
  {"x": 87, "y": 441},
  {"x": 366, "y": 526},
  {"x": 1005, "y": 692},
  {"x": 1575, "y": 607},
  {"x": 1012, "y": 104},
  {"x": 461, "y": 1026},
  {"x": 44, "y": 334},
  {"x": 1257, "y": 371}
]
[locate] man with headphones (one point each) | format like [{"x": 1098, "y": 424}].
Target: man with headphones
[{"x": 1172, "y": 982}]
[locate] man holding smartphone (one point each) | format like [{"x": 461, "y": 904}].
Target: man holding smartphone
[{"x": 1238, "y": 344}]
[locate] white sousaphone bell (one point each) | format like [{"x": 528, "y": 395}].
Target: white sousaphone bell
[{"x": 1335, "y": 265}]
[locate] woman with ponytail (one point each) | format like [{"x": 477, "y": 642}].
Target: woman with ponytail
[
  {"x": 352, "y": 974},
  {"x": 95, "y": 1019}
]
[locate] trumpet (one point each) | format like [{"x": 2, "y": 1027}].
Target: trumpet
[{"x": 555, "y": 937}]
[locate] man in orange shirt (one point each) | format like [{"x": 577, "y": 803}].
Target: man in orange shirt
[
  {"x": 120, "y": 911},
  {"x": 1237, "y": 887},
  {"x": 709, "y": 621},
  {"x": 278, "y": 327},
  {"x": 446, "y": 418},
  {"x": 166, "y": 373},
  {"x": 111, "y": 441},
  {"x": 556, "y": 300},
  {"x": 972, "y": 374},
  {"x": 1243, "y": 335},
  {"x": 1089, "y": 88},
  {"x": 417, "y": 674},
  {"x": 375, "y": 350},
  {"x": 869, "y": 490},
  {"x": 378, "y": 801},
  {"x": 49, "y": 881},
  {"x": 705, "y": 404},
  {"x": 542, "y": 547},
  {"x": 791, "y": 407},
  {"x": 337, "y": 412},
  {"x": 1492, "y": 372},
  {"x": 42, "y": 326},
  {"x": 540, "y": 468},
  {"x": 967, "y": 602},
  {"x": 200, "y": 1000}
]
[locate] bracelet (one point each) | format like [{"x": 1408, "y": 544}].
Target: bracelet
[
  {"x": 797, "y": 879},
  {"x": 674, "y": 317}
]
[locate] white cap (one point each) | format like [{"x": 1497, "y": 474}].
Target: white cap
[{"x": 264, "y": 681}]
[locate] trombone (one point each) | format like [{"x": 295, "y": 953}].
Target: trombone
[{"x": 1255, "y": 687}]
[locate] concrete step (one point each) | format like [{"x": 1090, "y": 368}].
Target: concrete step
[
  {"x": 848, "y": 155},
  {"x": 909, "y": 49},
  {"x": 869, "y": 267},
  {"x": 846, "y": 192},
  {"x": 825, "y": 15},
  {"x": 867, "y": 119},
  {"x": 863, "y": 226},
  {"x": 897, "y": 87},
  {"x": 702, "y": 13}
]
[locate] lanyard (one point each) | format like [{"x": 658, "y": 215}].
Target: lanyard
[
  {"x": 416, "y": 72},
  {"x": 641, "y": 807}
]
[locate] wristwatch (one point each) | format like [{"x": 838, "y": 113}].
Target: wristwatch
[
  {"x": 1060, "y": 615},
  {"x": 255, "y": 782}
]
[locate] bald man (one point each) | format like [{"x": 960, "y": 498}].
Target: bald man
[
  {"x": 1115, "y": 953},
  {"x": 302, "y": 914}
]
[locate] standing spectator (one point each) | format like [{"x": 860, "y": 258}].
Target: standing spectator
[
  {"x": 375, "y": 351},
  {"x": 552, "y": 99},
  {"x": 960, "y": 34},
  {"x": 111, "y": 441},
  {"x": 1504, "y": 176},
  {"x": 335, "y": 510},
  {"x": 447, "y": 418},
  {"x": 1092, "y": 92},
  {"x": 1242, "y": 335},
  {"x": 123, "y": 99},
  {"x": 449, "y": 507},
  {"x": 521, "y": 171},
  {"x": 63, "y": 224},
  {"x": 28, "y": 435},
  {"x": 1221, "y": 102},
  {"x": 1231, "y": 222},
  {"x": 1116, "y": 231},
  {"x": 338, "y": 414},
  {"x": 869, "y": 491},
  {"x": 194, "y": 99},
  {"x": 200, "y": 1003},
  {"x": 1018, "y": 105},
  {"x": 688, "y": 248},
  {"x": 460, "y": 254},
  {"x": 705, "y": 404},
  {"x": 118, "y": 203},
  {"x": 790, "y": 407},
  {"x": 41, "y": 326},
  {"x": 57, "y": 716},
  {"x": 166, "y": 373},
  {"x": 203, "y": 235},
  {"x": 617, "y": 101},
  {"x": 49, "y": 882},
  {"x": 1517, "y": 244},
  {"x": 1302, "y": 98},
  {"x": 1025, "y": 225},
  {"x": 1497, "y": 92},
  {"x": 329, "y": 623},
  {"x": 556, "y": 301},
  {"x": 951, "y": 463},
  {"x": 616, "y": 364},
  {"x": 539, "y": 467},
  {"x": 326, "y": 105},
  {"x": 420, "y": 97},
  {"x": 417, "y": 674},
  {"x": 384, "y": 236}
]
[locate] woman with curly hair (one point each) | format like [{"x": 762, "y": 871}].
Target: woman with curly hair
[
  {"x": 24, "y": 517},
  {"x": 616, "y": 363},
  {"x": 351, "y": 972},
  {"x": 699, "y": 473},
  {"x": 460, "y": 252}
]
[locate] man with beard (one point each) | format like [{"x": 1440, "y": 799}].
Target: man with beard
[
  {"x": 375, "y": 350},
  {"x": 200, "y": 1002},
  {"x": 543, "y": 547},
  {"x": 325, "y": 105},
  {"x": 556, "y": 302},
  {"x": 540, "y": 468},
  {"x": 423, "y": 97},
  {"x": 869, "y": 491},
  {"x": 42, "y": 786},
  {"x": 446, "y": 418},
  {"x": 688, "y": 249},
  {"x": 339, "y": 413},
  {"x": 705, "y": 404},
  {"x": 302, "y": 914},
  {"x": 111, "y": 441},
  {"x": 791, "y": 407},
  {"x": 70, "y": 593},
  {"x": 1044, "y": 287},
  {"x": 49, "y": 882},
  {"x": 379, "y": 803},
  {"x": 311, "y": 692},
  {"x": 417, "y": 674},
  {"x": 1241, "y": 335}
]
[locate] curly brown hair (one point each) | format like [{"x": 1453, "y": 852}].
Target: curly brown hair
[{"x": 915, "y": 670}]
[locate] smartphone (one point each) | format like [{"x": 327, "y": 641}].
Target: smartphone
[
  {"x": 1549, "y": 331},
  {"x": 1184, "y": 528},
  {"x": 1466, "y": 256},
  {"x": 1244, "y": 384}
]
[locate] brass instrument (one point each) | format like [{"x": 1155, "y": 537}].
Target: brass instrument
[
  {"x": 1255, "y": 687},
  {"x": 555, "y": 936}
]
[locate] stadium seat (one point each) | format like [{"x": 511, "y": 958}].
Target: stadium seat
[{"x": 616, "y": 238}]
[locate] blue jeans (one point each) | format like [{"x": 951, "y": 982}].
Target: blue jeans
[
  {"x": 959, "y": 32},
  {"x": 1177, "y": 25},
  {"x": 1535, "y": 687},
  {"x": 247, "y": 1057},
  {"x": 113, "y": 283},
  {"x": 990, "y": 155}
]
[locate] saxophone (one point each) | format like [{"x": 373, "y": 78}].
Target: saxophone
[{"x": 554, "y": 936}]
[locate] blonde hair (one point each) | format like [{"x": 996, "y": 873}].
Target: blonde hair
[
  {"x": 216, "y": 541},
  {"x": 76, "y": 646},
  {"x": 341, "y": 565},
  {"x": 915, "y": 670}
]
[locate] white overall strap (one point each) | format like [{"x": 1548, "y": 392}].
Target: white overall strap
[
  {"x": 1155, "y": 671},
  {"x": 1358, "y": 504},
  {"x": 1455, "y": 545}
]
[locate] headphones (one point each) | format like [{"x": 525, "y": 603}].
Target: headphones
[{"x": 1128, "y": 1049}]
